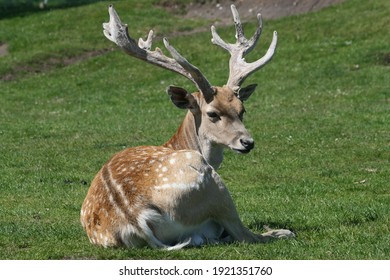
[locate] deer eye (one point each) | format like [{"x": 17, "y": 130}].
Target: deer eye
[{"x": 213, "y": 116}]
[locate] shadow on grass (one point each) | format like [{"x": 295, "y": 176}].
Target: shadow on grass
[{"x": 13, "y": 8}]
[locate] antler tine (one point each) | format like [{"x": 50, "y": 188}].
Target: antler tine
[
  {"x": 255, "y": 38},
  {"x": 217, "y": 40},
  {"x": 237, "y": 22},
  {"x": 117, "y": 32},
  {"x": 239, "y": 69},
  {"x": 146, "y": 45}
]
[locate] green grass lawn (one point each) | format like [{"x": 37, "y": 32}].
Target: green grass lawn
[{"x": 320, "y": 118}]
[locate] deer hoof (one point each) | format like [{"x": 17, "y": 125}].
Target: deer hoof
[{"x": 280, "y": 234}]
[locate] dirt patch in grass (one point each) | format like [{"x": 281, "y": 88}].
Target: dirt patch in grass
[
  {"x": 269, "y": 9},
  {"x": 46, "y": 65},
  {"x": 3, "y": 49}
]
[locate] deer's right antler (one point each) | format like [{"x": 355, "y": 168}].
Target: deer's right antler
[{"x": 117, "y": 32}]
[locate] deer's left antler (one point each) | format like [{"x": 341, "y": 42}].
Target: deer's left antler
[{"x": 239, "y": 69}]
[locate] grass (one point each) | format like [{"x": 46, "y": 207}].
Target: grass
[
  {"x": 15, "y": 8},
  {"x": 320, "y": 118}
]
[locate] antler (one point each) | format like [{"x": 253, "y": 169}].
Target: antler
[
  {"x": 117, "y": 32},
  {"x": 239, "y": 69}
]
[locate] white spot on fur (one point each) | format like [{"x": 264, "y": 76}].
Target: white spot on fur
[
  {"x": 172, "y": 161},
  {"x": 189, "y": 155},
  {"x": 164, "y": 169},
  {"x": 105, "y": 242}
]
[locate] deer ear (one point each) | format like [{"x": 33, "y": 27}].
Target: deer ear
[
  {"x": 246, "y": 92},
  {"x": 181, "y": 98}
]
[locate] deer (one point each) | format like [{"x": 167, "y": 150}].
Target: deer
[{"x": 171, "y": 196}]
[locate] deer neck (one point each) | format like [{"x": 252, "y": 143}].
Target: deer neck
[{"x": 188, "y": 137}]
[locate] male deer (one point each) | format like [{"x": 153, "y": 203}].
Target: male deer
[{"x": 170, "y": 196}]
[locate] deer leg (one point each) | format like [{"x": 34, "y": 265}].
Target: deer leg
[
  {"x": 227, "y": 215},
  {"x": 233, "y": 225}
]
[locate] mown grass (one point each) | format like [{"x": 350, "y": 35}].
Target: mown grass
[{"x": 320, "y": 118}]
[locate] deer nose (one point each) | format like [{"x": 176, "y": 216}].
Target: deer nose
[{"x": 247, "y": 143}]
